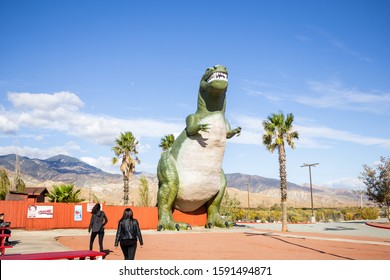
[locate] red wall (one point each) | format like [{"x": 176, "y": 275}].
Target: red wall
[{"x": 63, "y": 216}]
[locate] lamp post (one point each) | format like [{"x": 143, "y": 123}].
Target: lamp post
[{"x": 313, "y": 218}]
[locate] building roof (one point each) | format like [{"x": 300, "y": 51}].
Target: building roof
[{"x": 32, "y": 191}]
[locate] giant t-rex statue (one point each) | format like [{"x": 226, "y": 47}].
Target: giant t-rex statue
[{"x": 190, "y": 173}]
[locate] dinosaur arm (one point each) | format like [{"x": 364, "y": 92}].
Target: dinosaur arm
[
  {"x": 231, "y": 132},
  {"x": 193, "y": 125}
]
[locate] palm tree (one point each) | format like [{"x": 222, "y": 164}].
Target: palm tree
[
  {"x": 126, "y": 147},
  {"x": 278, "y": 130},
  {"x": 166, "y": 142},
  {"x": 64, "y": 193}
]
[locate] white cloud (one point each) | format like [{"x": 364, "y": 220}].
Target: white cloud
[
  {"x": 48, "y": 152},
  {"x": 104, "y": 163},
  {"x": 345, "y": 183},
  {"x": 59, "y": 112},
  {"x": 325, "y": 94},
  {"x": 45, "y": 101},
  {"x": 6, "y": 124},
  {"x": 318, "y": 132},
  {"x": 309, "y": 136},
  {"x": 333, "y": 95},
  {"x": 269, "y": 91}
]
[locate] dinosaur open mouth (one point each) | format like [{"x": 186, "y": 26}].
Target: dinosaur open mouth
[{"x": 217, "y": 76}]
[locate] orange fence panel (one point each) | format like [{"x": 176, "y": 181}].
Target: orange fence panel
[{"x": 63, "y": 215}]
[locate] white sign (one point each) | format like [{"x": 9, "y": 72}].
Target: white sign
[{"x": 40, "y": 211}]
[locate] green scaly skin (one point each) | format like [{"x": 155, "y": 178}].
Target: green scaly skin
[{"x": 190, "y": 173}]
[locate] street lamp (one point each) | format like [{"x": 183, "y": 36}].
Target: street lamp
[{"x": 313, "y": 218}]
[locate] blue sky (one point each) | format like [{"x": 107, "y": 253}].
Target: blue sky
[{"x": 74, "y": 74}]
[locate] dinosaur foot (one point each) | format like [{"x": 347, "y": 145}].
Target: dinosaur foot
[
  {"x": 219, "y": 222},
  {"x": 173, "y": 226}
]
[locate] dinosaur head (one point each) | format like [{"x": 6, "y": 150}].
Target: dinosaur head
[
  {"x": 213, "y": 86},
  {"x": 215, "y": 79}
]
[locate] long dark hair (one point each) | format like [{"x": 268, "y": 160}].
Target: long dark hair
[
  {"x": 127, "y": 214},
  {"x": 96, "y": 208}
]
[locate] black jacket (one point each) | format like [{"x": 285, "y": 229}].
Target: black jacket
[
  {"x": 98, "y": 221},
  {"x": 128, "y": 229}
]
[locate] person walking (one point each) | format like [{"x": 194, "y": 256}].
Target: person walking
[
  {"x": 96, "y": 225},
  {"x": 127, "y": 234}
]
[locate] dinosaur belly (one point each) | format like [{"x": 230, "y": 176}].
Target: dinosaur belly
[{"x": 199, "y": 165}]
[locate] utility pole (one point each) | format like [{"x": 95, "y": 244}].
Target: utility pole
[
  {"x": 249, "y": 205},
  {"x": 313, "y": 218}
]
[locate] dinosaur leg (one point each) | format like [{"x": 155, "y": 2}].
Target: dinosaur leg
[
  {"x": 168, "y": 188},
  {"x": 213, "y": 215}
]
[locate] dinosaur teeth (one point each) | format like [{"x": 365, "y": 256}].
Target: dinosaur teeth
[{"x": 217, "y": 76}]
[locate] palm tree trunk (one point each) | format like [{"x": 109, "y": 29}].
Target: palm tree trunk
[
  {"x": 283, "y": 185},
  {"x": 125, "y": 190}
]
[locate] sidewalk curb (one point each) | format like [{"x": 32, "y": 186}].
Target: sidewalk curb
[{"x": 379, "y": 225}]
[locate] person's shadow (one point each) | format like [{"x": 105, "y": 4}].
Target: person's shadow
[
  {"x": 13, "y": 242},
  {"x": 107, "y": 252}
]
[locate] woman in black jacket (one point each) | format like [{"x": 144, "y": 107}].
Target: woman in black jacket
[
  {"x": 127, "y": 234},
  {"x": 96, "y": 225}
]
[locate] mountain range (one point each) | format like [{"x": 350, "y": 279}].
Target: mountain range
[{"x": 253, "y": 190}]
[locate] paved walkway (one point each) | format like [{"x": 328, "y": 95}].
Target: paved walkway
[{"x": 349, "y": 240}]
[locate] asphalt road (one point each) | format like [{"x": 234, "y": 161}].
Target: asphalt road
[{"x": 351, "y": 228}]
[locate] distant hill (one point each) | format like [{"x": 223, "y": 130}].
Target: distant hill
[
  {"x": 56, "y": 168},
  {"x": 258, "y": 183},
  {"x": 66, "y": 169}
]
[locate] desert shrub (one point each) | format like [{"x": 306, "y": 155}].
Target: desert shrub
[
  {"x": 328, "y": 215},
  {"x": 262, "y": 215},
  {"x": 351, "y": 214},
  {"x": 292, "y": 217},
  {"x": 251, "y": 215},
  {"x": 348, "y": 216},
  {"x": 238, "y": 214},
  {"x": 370, "y": 213},
  {"x": 276, "y": 207},
  {"x": 274, "y": 216}
]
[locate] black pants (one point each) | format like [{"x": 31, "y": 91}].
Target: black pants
[
  {"x": 93, "y": 236},
  {"x": 129, "y": 246},
  {"x": 7, "y": 231}
]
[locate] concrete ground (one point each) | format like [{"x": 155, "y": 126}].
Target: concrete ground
[{"x": 319, "y": 241}]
